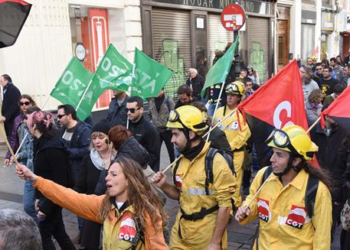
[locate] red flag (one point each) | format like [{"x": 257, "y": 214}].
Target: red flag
[
  {"x": 279, "y": 102},
  {"x": 339, "y": 110},
  {"x": 315, "y": 53}
]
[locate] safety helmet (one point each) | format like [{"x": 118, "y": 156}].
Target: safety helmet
[
  {"x": 235, "y": 88},
  {"x": 187, "y": 117},
  {"x": 294, "y": 139}
]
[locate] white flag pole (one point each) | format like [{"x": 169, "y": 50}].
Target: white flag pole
[{"x": 216, "y": 106}]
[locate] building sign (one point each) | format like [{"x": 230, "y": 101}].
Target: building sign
[
  {"x": 327, "y": 21},
  {"x": 252, "y": 6}
]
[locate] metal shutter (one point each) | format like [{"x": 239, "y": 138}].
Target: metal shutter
[
  {"x": 218, "y": 36},
  {"x": 172, "y": 44},
  {"x": 258, "y": 45},
  {"x": 307, "y": 40}
]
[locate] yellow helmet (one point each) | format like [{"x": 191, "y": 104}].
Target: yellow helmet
[
  {"x": 235, "y": 88},
  {"x": 294, "y": 139},
  {"x": 187, "y": 117}
]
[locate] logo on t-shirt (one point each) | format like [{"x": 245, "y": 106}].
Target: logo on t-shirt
[
  {"x": 263, "y": 209},
  {"x": 296, "y": 217},
  {"x": 127, "y": 231}
]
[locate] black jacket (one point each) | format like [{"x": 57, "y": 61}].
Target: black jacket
[
  {"x": 130, "y": 149},
  {"x": 328, "y": 145},
  {"x": 88, "y": 176},
  {"x": 147, "y": 135},
  {"x": 10, "y": 108},
  {"x": 341, "y": 173},
  {"x": 117, "y": 114},
  {"x": 51, "y": 162},
  {"x": 78, "y": 147},
  {"x": 197, "y": 85}
]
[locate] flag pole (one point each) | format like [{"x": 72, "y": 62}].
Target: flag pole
[
  {"x": 258, "y": 191},
  {"x": 81, "y": 99},
  {"x": 208, "y": 133},
  {"x": 217, "y": 105},
  {"x": 314, "y": 124}
]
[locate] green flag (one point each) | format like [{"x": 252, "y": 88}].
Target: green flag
[
  {"x": 114, "y": 72},
  {"x": 149, "y": 76},
  {"x": 218, "y": 73},
  {"x": 71, "y": 86}
]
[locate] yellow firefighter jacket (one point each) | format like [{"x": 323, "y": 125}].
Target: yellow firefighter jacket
[
  {"x": 118, "y": 230},
  {"x": 237, "y": 133},
  {"x": 283, "y": 218},
  {"x": 190, "y": 180}
]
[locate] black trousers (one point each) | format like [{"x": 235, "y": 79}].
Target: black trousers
[
  {"x": 345, "y": 240},
  {"x": 166, "y": 137},
  {"x": 53, "y": 225}
]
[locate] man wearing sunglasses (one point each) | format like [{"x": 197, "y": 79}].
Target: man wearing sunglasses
[
  {"x": 294, "y": 204},
  {"x": 204, "y": 207},
  {"x": 77, "y": 134},
  {"x": 237, "y": 133},
  {"x": 143, "y": 130}
]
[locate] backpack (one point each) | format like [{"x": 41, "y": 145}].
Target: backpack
[
  {"x": 310, "y": 193},
  {"x": 209, "y": 166}
]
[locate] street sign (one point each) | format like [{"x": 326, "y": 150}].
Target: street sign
[{"x": 233, "y": 17}]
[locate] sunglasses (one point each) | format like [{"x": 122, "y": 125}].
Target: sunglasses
[
  {"x": 24, "y": 103},
  {"x": 60, "y": 116},
  {"x": 132, "y": 110}
]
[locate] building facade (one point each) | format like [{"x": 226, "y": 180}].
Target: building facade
[
  {"x": 56, "y": 30},
  {"x": 183, "y": 34}
]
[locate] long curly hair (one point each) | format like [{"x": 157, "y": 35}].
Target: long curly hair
[{"x": 140, "y": 195}]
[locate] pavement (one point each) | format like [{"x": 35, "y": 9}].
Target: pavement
[{"x": 11, "y": 195}]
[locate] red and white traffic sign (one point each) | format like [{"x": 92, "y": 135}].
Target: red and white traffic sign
[{"x": 233, "y": 17}]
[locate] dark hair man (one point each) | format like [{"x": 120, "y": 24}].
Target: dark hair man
[
  {"x": 287, "y": 218},
  {"x": 204, "y": 208},
  {"x": 327, "y": 82},
  {"x": 10, "y": 108},
  {"x": 143, "y": 130},
  {"x": 18, "y": 231},
  {"x": 337, "y": 69},
  {"x": 75, "y": 133},
  {"x": 184, "y": 93}
]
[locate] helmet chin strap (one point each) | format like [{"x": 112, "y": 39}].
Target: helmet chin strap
[{"x": 289, "y": 167}]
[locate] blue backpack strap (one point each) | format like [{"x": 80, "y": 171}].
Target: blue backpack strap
[{"x": 310, "y": 195}]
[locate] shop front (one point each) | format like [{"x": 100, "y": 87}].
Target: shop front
[{"x": 183, "y": 34}]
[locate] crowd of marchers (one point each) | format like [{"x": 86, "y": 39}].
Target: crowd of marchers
[{"x": 108, "y": 173}]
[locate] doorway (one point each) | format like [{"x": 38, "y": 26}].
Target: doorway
[{"x": 282, "y": 37}]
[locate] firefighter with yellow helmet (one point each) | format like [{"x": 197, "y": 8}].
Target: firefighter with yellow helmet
[
  {"x": 204, "y": 205},
  {"x": 236, "y": 130},
  {"x": 293, "y": 203}
]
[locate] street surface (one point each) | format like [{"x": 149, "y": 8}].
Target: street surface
[{"x": 11, "y": 193}]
